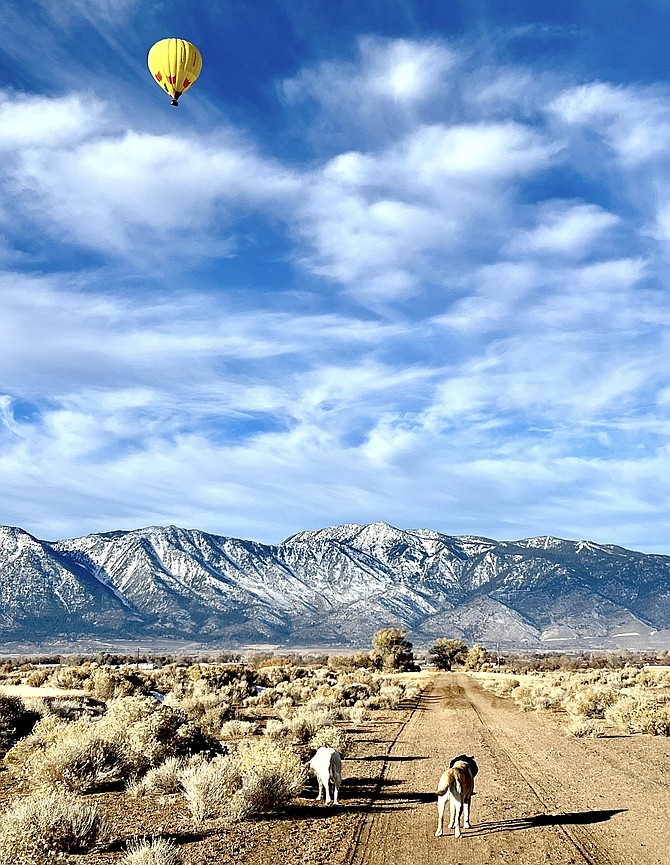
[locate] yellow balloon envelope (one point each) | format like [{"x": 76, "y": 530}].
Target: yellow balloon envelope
[{"x": 174, "y": 64}]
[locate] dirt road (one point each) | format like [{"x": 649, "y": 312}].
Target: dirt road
[{"x": 540, "y": 796}]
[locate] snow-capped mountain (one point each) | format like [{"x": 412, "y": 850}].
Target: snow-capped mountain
[{"x": 335, "y": 585}]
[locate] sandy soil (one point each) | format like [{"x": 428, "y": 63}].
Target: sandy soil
[{"x": 540, "y": 796}]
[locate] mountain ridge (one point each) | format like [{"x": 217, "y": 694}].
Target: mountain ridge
[{"x": 335, "y": 585}]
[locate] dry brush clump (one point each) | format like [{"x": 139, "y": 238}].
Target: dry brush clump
[
  {"x": 257, "y": 777},
  {"x": 153, "y": 731},
  {"x": 16, "y": 720},
  {"x": 237, "y": 729},
  {"x": 89, "y": 755},
  {"x": 331, "y": 736},
  {"x": 641, "y": 713},
  {"x": 38, "y": 828},
  {"x": 154, "y": 851},
  {"x": 633, "y": 700},
  {"x": 272, "y": 776},
  {"x": 586, "y": 728},
  {"x": 163, "y": 779}
]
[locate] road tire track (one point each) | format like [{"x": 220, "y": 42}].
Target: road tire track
[{"x": 540, "y": 796}]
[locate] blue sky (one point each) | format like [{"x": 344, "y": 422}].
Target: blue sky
[{"x": 388, "y": 260}]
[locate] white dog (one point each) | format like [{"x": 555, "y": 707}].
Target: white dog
[
  {"x": 326, "y": 764},
  {"x": 457, "y": 785}
]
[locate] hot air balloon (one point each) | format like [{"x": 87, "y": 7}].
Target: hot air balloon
[{"x": 174, "y": 64}]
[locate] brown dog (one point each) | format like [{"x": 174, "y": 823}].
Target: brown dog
[{"x": 457, "y": 785}]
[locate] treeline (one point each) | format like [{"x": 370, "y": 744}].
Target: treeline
[{"x": 390, "y": 651}]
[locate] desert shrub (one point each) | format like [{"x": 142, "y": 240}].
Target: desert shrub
[
  {"x": 349, "y": 662},
  {"x": 640, "y": 714},
  {"x": 547, "y": 696},
  {"x": 586, "y": 728},
  {"x": 503, "y": 687},
  {"x": 16, "y": 720},
  {"x": 154, "y": 731},
  {"x": 136, "y": 734},
  {"x": 37, "y": 678},
  {"x": 106, "y": 684},
  {"x": 209, "y": 787},
  {"x": 208, "y": 711},
  {"x": 330, "y": 737},
  {"x": 44, "y": 733},
  {"x": 652, "y": 678},
  {"x": 259, "y": 776},
  {"x": 591, "y": 702},
  {"x": 38, "y": 826},
  {"x": 390, "y": 696},
  {"x": 320, "y": 701},
  {"x": 82, "y": 761},
  {"x": 163, "y": 779},
  {"x": 524, "y": 697},
  {"x": 272, "y": 674},
  {"x": 357, "y": 715},
  {"x": 236, "y": 729},
  {"x": 305, "y": 722},
  {"x": 127, "y": 711},
  {"x": 352, "y": 693},
  {"x": 272, "y": 776},
  {"x": 275, "y": 729},
  {"x": 67, "y": 708},
  {"x": 70, "y": 677},
  {"x": 157, "y": 851}
]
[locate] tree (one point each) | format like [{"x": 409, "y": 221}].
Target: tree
[
  {"x": 391, "y": 651},
  {"x": 476, "y": 657},
  {"x": 446, "y": 653}
]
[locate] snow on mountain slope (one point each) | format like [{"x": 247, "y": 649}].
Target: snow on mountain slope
[{"x": 337, "y": 584}]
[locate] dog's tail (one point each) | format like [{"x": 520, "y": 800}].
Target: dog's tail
[{"x": 451, "y": 783}]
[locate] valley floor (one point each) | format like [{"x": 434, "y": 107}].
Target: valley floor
[{"x": 541, "y": 796}]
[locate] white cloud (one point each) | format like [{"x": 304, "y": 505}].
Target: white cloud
[
  {"x": 30, "y": 121},
  {"x": 122, "y": 193},
  {"x": 565, "y": 228},
  {"x": 478, "y": 152},
  {"x": 373, "y": 246},
  {"x": 633, "y": 121},
  {"x": 377, "y": 221},
  {"x": 401, "y": 71},
  {"x": 405, "y": 70},
  {"x": 511, "y": 382}
]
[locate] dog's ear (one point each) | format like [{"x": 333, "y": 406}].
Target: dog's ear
[{"x": 474, "y": 768}]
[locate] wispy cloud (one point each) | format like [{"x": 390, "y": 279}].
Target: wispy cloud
[{"x": 446, "y": 307}]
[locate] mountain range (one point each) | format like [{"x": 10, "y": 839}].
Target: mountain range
[{"x": 334, "y": 586}]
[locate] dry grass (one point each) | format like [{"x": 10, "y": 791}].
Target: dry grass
[
  {"x": 155, "y": 851},
  {"x": 331, "y": 737},
  {"x": 631, "y": 699},
  {"x": 39, "y": 826},
  {"x": 257, "y": 777},
  {"x": 163, "y": 779},
  {"x": 583, "y": 728}
]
